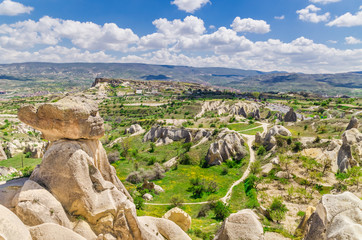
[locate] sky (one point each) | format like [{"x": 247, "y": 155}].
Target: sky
[{"x": 310, "y": 36}]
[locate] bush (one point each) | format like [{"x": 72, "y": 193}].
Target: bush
[
  {"x": 185, "y": 159},
  {"x": 139, "y": 202},
  {"x": 176, "y": 201},
  {"x": 261, "y": 150},
  {"x": 277, "y": 209},
  {"x": 212, "y": 187},
  {"x": 221, "y": 211},
  {"x": 28, "y": 155},
  {"x": 224, "y": 171},
  {"x": 204, "y": 210},
  {"x": 113, "y": 156},
  {"x": 152, "y": 147},
  {"x": 297, "y": 146},
  {"x": 187, "y": 146}
]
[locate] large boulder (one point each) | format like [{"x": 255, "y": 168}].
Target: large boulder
[
  {"x": 70, "y": 117},
  {"x": 290, "y": 116},
  {"x": 82, "y": 228},
  {"x": 228, "y": 144},
  {"x": 336, "y": 217},
  {"x": 180, "y": 217},
  {"x": 11, "y": 228},
  {"x": 243, "y": 225},
  {"x": 160, "y": 228},
  {"x": 78, "y": 174},
  {"x": 51, "y": 231},
  {"x": 8, "y": 191},
  {"x": 34, "y": 205},
  {"x": 135, "y": 128},
  {"x": 267, "y": 139},
  {"x": 353, "y": 123},
  {"x": 352, "y": 145},
  {"x": 6, "y": 171},
  {"x": 166, "y": 135},
  {"x": 3, "y": 155},
  {"x": 302, "y": 227}
]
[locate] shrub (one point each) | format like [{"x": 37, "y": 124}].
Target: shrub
[
  {"x": 224, "y": 171},
  {"x": 176, "y": 201},
  {"x": 212, "y": 187},
  {"x": 204, "y": 210},
  {"x": 185, "y": 159},
  {"x": 187, "y": 146},
  {"x": 113, "y": 156},
  {"x": 277, "y": 209},
  {"x": 297, "y": 146},
  {"x": 221, "y": 211},
  {"x": 255, "y": 167},
  {"x": 152, "y": 147},
  {"x": 139, "y": 202},
  {"x": 261, "y": 150}
]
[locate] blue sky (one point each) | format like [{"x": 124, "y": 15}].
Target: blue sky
[{"x": 310, "y": 36}]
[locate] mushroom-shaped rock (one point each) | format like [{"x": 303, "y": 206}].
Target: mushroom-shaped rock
[
  {"x": 243, "y": 225},
  {"x": 336, "y": 217},
  {"x": 229, "y": 144},
  {"x": 180, "y": 217},
  {"x": 11, "y": 228},
  {"x": 160, "y": 228},
  {"x": 353, "y": 123},
  {"x": 35, "y": 205},
  {"x": 352, "y": 143},
  {"x": 51, "y": 231},
  {"x": 290, "y": 116},
  {"x": 166, "y": 135},
  {"x": 70, "y": 118},
  {"x": 268, "y": 139}
]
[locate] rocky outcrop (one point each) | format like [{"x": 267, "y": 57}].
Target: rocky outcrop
[
  {"x": 229, "y": 144},
  {"x": 352, "y": 145},
  {"x": 70, "y": 117},
  {"x": 166, "y": 135},
  {"x": 336, "y": 217},
  {"x": 82, "y": 228},
  {"x": 51, "y": 231},
  {"x": 353, "y": 123},
  {"x": 2, "y": 153},
  {"x": 34, "y": 205},
  {"x": 5, "y": 171},
  {"x": 36, "y": 149},
  {"x": 75, "y": 179},
  {"x": 135, "y": 128},
  {"x": 241, "y": 225},
  {"x": 152, "y": 187},
  {"x": 8, "y": 191},
  {"x": 238, "y": 109},
  {"x": 166, "y": 229},
  {"x": 11, "y": 227},
  {"x": 267, "y": 139},
  {"x": 180, "y": 217},
  {"x": 302, "y": 227},
  {"x": 290, "y": 116}
]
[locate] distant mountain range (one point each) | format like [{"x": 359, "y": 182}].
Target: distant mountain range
[{"x": 83, "y": 74}]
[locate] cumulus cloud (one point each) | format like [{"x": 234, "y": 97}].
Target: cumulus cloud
[
  {"x": 190, "y": 6},
  {"x": 347, "y": 20},
  {"x": 324, "y": 1},
  {"x": 279, "y": 17},
  {"x": 51, "y": 31},
  {"x": 10, "y": 8},
  {"x": 309, "y": 14},
  {"x": 250, "y": 25},
  {"x": 352, "y": 40}
]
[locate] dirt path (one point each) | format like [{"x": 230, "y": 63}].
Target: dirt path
[{"x": 226, "y": 198}]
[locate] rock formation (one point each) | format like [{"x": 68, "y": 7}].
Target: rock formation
[
  {"x": 238, "y": 109},
  {"x": 70, "y": 118},
  {"x": 11, "y": 227},
  {"x": 166, "y": 135},
  {"x": 135, "y": 128},
  {"x": 267, "y": 139},
  {"x": 180, "y": 217},
  {"x": 75, "y": 180},
  {"x": 353, "y": 123},
  {"x": 290, "y": 116},
  {"x": 241, "y": 225},
  {"x": 5, "y": 171},
  {"x": 2, "y": 153},
  {"x": 36, "y": 149},
  {"x": 228, "y": 144},
  {"x": 352, "y": 145},
  {"x": 336, "y": 217}
]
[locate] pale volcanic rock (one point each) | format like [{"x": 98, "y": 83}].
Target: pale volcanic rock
[
  {"x": 244, "y": 109},
  {"x": 2, "y": 153},
  {"x": 352, "y": 143},
  {"x": 353, "y": 123},
  {"x": 82, "y": 228},
  {"x": 290, "y": 116},
  {"x": 135, "y": 128},
  {"x": 34, "y": 205},
  {"x": 267, "y": 139},
  {"x": 180, "y": 217},
  {"x": 243, "y": 225},
  {"x": 336, "y": 217},
  {"x": 166, "y": 135},
  {"x": 228, "y": 144},
  {"x": 11, "y": 228},
  {"x": 70, "y": 118},
  {"x": 51, "y": 231}
]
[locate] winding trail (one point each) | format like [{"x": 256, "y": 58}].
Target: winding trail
[{"x": 226, "y": 198}]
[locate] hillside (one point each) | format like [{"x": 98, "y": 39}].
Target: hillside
[{"x": 27, "y": 78}]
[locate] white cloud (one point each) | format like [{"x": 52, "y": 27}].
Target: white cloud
[
  {"x": 347, "y": 20},
  {"x": 51, "y": 31},
  {"x": 332, "y": 41},
  {"x": 10, "y": 8},
  {"x": 309, "y": 14},
  {"x": 352, "y": 40},
  {"x": 190, "y": 26},
  {"x": 324, "y": 1},
  {"x": 190, "y": 6},
  {"x": 250, "y": 25},
  {"x": 279, "y": 17}
]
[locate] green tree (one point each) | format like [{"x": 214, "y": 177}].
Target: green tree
[
  {"x": 221, "y": 210},
  {"x": 355, "y": 175},
  {"x": 277, "y": 209}
]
